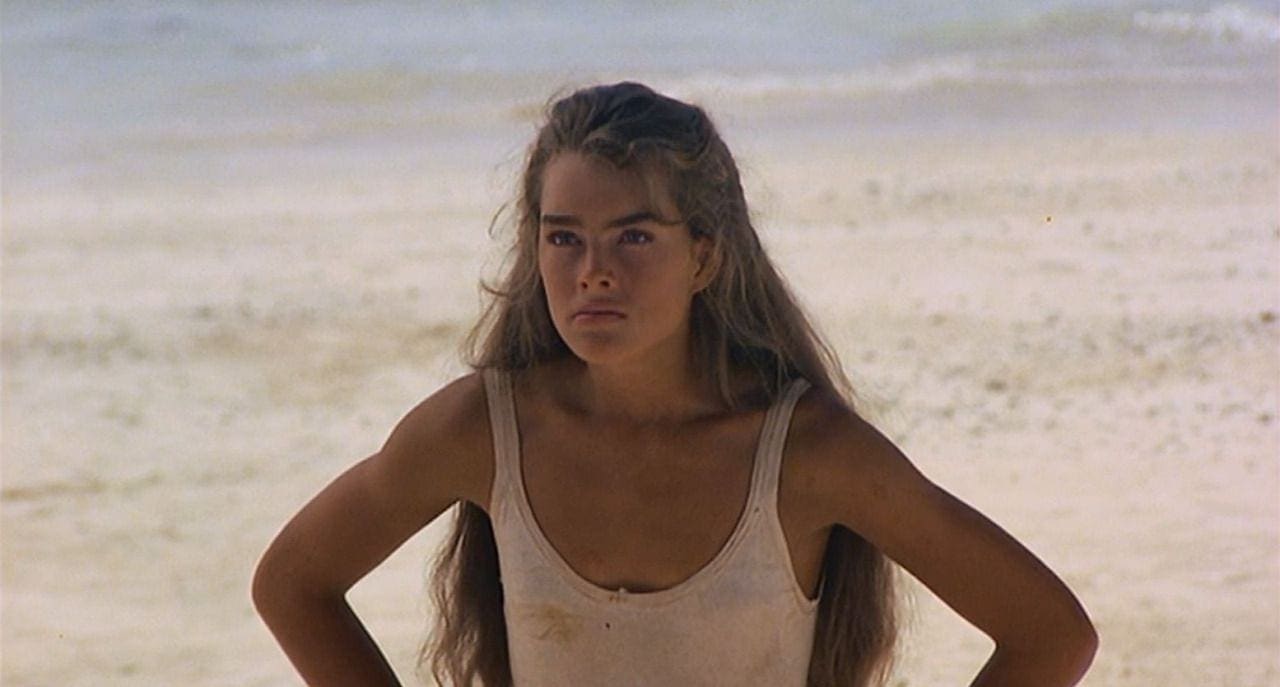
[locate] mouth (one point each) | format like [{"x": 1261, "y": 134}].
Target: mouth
[{"x": 593, "y": 315}]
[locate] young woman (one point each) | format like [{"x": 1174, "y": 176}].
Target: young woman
[{"x": 660, "y": 475}]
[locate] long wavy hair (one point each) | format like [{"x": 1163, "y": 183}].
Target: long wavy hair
[{"x": 745, "y": 319}]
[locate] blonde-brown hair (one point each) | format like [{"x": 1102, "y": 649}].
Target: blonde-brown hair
[{"x": 745, "y": 319}]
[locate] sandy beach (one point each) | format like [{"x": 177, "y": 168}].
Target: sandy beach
[
  {"x": 1073, "y": 329},
  {"x": 1086, "y": 352}
]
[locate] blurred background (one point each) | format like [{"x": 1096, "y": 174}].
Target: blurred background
[{"x": 241, "y": 239}]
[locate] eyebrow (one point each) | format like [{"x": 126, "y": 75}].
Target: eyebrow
[{"x": 633, "y": 218}]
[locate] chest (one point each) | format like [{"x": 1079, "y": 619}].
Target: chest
[{"x": 646, "y": 509}]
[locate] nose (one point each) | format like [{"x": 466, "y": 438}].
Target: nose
[{"x": 597, "y": 272}]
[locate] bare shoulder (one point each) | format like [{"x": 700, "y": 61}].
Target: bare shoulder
[
  {"x": 839, "y": 464},
  {"x": 848, "y": 473},
  {"x": 445, "y": 439},
  {"x": 437, "y": 455}
]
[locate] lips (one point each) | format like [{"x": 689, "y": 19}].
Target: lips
[{"x": 598, "y": 313}]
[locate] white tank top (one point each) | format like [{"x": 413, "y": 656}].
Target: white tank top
[{"x": 740, "y": 620}]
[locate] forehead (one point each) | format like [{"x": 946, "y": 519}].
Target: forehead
[{"x": 584, "y": 185}]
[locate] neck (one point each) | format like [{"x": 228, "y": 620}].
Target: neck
[{"x": 645, "y": 392}]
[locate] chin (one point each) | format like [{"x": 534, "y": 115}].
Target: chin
[
  {"x": 598, "y": 347},
  {"x": 594, "y": 351}
]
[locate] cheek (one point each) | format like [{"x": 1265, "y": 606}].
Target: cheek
[
  {"x": 666, "y": 287},
  {"x": 665, "y": 272},
  {"x": 556, "y": 278}
]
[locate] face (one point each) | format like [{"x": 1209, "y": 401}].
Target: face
[{"x": 619, "y": 268}]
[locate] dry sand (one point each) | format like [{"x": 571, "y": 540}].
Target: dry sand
[{"x": 1075, "y": 333}]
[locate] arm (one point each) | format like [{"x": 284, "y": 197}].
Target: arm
[
  {"x": 862, "y": 481},
  {"x": 438, "y": 454}
]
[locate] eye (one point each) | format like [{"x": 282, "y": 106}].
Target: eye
[
  {"x": 635, "y": 236},
  {"x": 561, "y": 238}
]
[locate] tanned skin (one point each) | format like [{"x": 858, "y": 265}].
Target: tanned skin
[{"x": 616, "y": 419}]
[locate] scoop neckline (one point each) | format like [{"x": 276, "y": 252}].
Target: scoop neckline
[{"x": 622, "y": 596}]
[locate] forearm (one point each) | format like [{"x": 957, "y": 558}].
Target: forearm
[
  {"x": 325, "y": 641},
  {"x": 1060, "y": 665}
]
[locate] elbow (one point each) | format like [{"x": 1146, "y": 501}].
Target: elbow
[
  {"x": 1074, "y": 649},
  {"x": 1085, "y": 644},
  {"x": 1055, "y": 654},
  {"x": 1075, "y": 653},
  {"x": 282, "y": 585},
  {"x": 1079, "y": 638},
  {"x": 1076, "y": 639},
  {"x": 264, "y": 587},
  {"x": 273, "y": 585}
]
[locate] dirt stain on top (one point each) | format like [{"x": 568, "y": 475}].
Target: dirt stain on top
[{"x": 555, "y": 624}]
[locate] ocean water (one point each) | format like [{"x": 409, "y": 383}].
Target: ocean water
[{"x": 200, "y": 90}]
